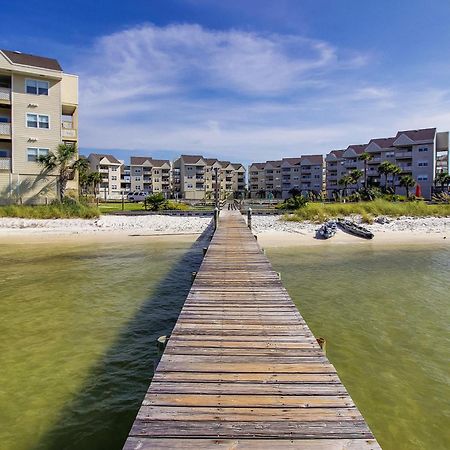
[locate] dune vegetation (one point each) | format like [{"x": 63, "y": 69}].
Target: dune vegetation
[{"x": 319, "y": 212}]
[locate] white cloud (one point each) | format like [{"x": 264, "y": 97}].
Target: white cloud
[{"x": 239, "y": 94}]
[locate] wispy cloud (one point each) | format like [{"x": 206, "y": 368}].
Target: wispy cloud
[{"x": 236, "y": 94}]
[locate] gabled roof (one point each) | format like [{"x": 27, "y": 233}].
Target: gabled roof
[
  {"x": 211, "y": 161},
  {"x": 312, "y": 159},
  {"x": 292, "y": 161},
  {"x": 112, "y": 159},
  {"x": 383, "y": 142},
  {"x": 358, "y": 149},
  {"x": 191, "y": 159},
  {"x": 425, "y": 134},
  {"x": 275, "y": 164},
  {"x": 337, "y": 153},
  {"x": 139, "y": 160},
  {"x": 259, "y": 166},
  {"x": 160, "y": 162},
  {"x": 32, "y": 60},
  {"x": 238, "y": 166}
]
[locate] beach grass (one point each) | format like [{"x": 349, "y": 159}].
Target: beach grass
[
  {"x": 52, "y": 211},
  {"x": 319, "y": 212},
  {"x": 111, "y": 207}
]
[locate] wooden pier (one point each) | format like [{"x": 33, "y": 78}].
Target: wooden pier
[{"x": 241, "y": 369}]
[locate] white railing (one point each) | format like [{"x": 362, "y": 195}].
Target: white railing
[
  {"x": 68, "y": 133},
  {"x": 5, "y": 129},
  {"x": 5, "y": 163},
  {"x": 5, "y": 94},
  {"x": 403, "y": 155}
]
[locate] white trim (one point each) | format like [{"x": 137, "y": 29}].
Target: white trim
[
  {"x": 38, "y": 127},
  {"x": 37, "y": 86}
]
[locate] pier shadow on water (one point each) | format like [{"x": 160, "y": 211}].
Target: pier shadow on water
[{"x": 101, "y": 414}]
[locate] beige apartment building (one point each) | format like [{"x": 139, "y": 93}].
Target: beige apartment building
[
  {"x": 109, "y": 168},
  {"x": 38, "y": 111},
  {"x": 149, "y": 175},
  {"x": 143, "y": 174},
  {"x": 420, "y": 153},
  {"x": 277, "y": 179},
  {"x": 194, "y": 178}
]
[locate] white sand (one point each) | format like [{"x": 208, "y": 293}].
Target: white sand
[{"x": 271, "y": 230}]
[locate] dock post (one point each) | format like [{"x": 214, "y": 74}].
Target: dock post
[
  {"x": 249, "y": 218},
  {"x": 216, "y": 218}
]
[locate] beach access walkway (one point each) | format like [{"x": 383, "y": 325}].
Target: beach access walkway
[{"x": 241, "y": 369}]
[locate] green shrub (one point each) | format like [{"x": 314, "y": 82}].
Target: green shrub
[
  {"x": 56, "y": 210},
  {"x": 319, "y": 212},
  {"x": 293, "y": 203}
]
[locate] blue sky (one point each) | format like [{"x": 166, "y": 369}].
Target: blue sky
[{"x": 243, "y": 80}]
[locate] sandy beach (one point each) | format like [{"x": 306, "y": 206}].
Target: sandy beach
[{"x": 271, "y": 230}]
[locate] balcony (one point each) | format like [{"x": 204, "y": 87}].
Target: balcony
[
  {"x": 5, "y": 164},
  {"x": 403, "y": 155},
  {"x": 67, "y": 131},
  {"x": 5, "y": 130},
  {"x": 103, "y": 170},
  {"x": 375, "y": 160},
  {"x": 5, "y": 95}
]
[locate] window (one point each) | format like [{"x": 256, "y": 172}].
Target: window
[
  {"x": 190, "y": 186},
  {"x": 422, "y": 163},
  {"x": 137, "y": 179},
  {"x": 33, "y": 153},
  {"x": 3, "y": 154},
  {"x": 113, "y": 178},
  {"x": 4, "y": 119},
  {"x": 138, "y": 187},
  {"x": 38, "y": 121},
  {"x": 36, "y": 87},
  {"x": 137, "y": 170},
  {"x": 114, "y": 186},
  {"x": 422, "y": 178},
  {"x": 423, "y": 149},
  {"x": 114, "y": 169}
]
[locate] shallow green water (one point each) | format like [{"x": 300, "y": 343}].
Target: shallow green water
[
  {"x": 79, "y": 322},
  {"x": 385, "y": 313},
  {"x": 77, "y": 337}
]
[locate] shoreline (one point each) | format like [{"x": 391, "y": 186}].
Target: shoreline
[{"x": 270, "y": 230}]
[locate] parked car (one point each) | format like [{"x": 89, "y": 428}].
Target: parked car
[{"x": 137, "y": 196}]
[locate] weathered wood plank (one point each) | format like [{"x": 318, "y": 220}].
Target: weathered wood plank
[
  {"x": 241, "y": 368},
  {"x": 143, "y": 443}
]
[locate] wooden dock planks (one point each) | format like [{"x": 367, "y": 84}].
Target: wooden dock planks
[{"x": 242, "y": 370}]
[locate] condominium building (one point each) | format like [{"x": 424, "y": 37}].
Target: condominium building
[
  {"x": 420, "y": 153},
  {"x": 194, "y": 178},
  {"x": 278, "y": 179},
  {"x": 231, "y": 178},
  {"x": 109, "y": 168},
  {"x": 148, "y": 175},
  {"x": 38, "y": 111}
]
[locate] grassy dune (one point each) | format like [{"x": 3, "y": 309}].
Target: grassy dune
[
  {"x": 57, "y": 211},
  {"x": 319, "y": 212}
]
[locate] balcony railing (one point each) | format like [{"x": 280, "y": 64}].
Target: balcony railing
[
  {"x": 5, "y": 163},
  {"x": 403, "y": 155},
  {"x": 5, "y": 94},
  {"x": 5, "y": 129}
]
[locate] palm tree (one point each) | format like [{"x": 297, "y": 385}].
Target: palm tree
[
  {"x": 395, "y": 170},
  {"x": 64, "y": 159},
  {"x": 407, "y": 181},
  {"x": 94, "y": 179},
  {"x": 366, "y": 157},
  {"x": 443, "y": 179},
  {"x": 355, "y": 175},
  {"x": 345, "y": 181},
  {"x": 83, "y": 175},
  {"x": 384, "y": 169}
]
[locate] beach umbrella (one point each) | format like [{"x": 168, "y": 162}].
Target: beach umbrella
[{"x": 418, "y": 190}]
